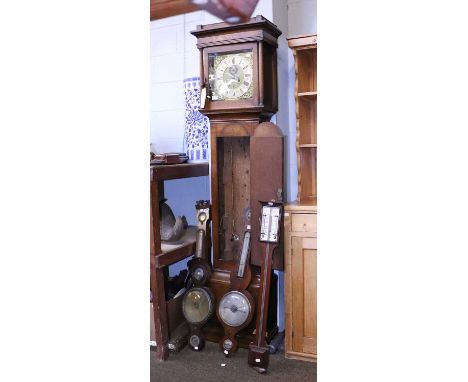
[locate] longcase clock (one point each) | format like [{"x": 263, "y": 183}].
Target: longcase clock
[{"x": 239, "y": 96}]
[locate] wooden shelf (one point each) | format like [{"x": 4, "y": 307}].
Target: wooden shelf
[
  {"x": 305, "y": 64},
  {"x": 303, "y": 41},
  {"x": 163, "y": 254},
  {"x": 309, "y": 204},
  {"x": 308, "y": 95},
  {"x": 178, "y": 171},
  {"x": 173, "y": 252}
]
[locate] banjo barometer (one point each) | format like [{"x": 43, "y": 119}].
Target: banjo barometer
[
  {"x": 239, "y": 95},
  {"x": 236, "y": 307},
  {"x": 198, "y": 303}
]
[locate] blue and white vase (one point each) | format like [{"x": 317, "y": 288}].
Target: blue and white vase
[{"x": 196, "y": 124}]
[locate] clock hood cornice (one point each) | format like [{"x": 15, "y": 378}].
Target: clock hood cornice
[{"x": 256, "y": 29}]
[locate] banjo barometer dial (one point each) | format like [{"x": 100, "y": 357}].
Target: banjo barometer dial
[
  {"x": 234, "y": 309},
  {"x": 231, "y": 75},
  {"x": 197, "y": 305}
]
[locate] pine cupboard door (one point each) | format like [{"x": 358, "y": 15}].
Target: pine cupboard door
[
  {"x": 301, "y": 296},
  {"x": 304, "y": 295}
]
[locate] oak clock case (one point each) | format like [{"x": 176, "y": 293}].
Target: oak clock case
[
  {"x": 198, "y": 303},
  {"x": 242, "y": 170}
]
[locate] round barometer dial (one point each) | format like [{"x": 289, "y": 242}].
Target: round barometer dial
[
  {"x": 198, "y": 274},
  {"x": 198, "y": 305},
  {"x": 235, "y": 309},
  {"x": 200, "y": 271}
]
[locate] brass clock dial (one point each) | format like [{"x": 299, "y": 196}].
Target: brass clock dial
[{"x": 231, "y": 76}]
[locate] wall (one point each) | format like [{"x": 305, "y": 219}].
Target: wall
[
  {"x": 174, "y": 56},
  {"x": 302, "y": 16}
]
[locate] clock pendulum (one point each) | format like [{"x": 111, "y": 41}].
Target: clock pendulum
[
  {"x": 198, "y": 302},
  {"x": 236, "y": 307},
  {"x": 269, "y": 238}
]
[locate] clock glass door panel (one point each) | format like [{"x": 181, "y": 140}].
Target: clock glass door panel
[
  {"x": 233, "y": 194},
  {"x": 230, "y": 75}
]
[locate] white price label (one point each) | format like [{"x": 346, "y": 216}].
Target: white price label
[{"x": 202, "y": 98}]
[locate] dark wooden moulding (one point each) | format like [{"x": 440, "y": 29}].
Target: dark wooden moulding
[{"x": 251, "y": 164}]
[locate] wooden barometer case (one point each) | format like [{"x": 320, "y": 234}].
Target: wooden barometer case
[
  {"x": 199, "y": 265},
  {"x": 238, "y": 71},
  {"x": 271, "y": 214},
  {"x": 236, "y": 308},
  {"x": 199, "y": 303}
]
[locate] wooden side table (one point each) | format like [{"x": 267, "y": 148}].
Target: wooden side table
[{"x": 162, "y": 255}]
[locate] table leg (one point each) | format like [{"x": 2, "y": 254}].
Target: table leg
[
  {"x": 157, "y": 280},
  {"x": 160, "y": 314}
]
